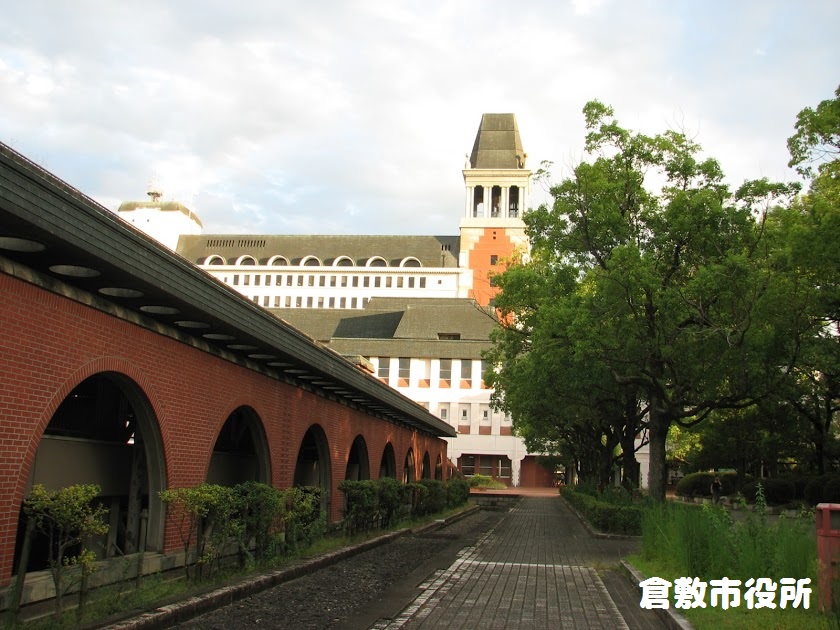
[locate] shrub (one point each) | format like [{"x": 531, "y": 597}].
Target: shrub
[
  {"x": 457, "y": 492},
  {"x": 434, "y": 500},
  {"x": 695, "y": 485},
  {"x": 607, "y": 517},
  {"x": 260, "y": 508},
  {"x": 813, "y": 492},
  {"x": 830, "y": 490},
  {"x": 776, "y": 491},
  {"x": 361, "y": 511},
  {"x": 799, "y": 484},
  {"x": 393, "y": 496}
]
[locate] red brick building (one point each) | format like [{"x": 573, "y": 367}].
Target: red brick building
[{"x": 122, "y": 364}]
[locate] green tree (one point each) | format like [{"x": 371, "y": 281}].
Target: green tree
[
  {"x": 69, "y": 518},
  {"x": 673, "y": 295}
]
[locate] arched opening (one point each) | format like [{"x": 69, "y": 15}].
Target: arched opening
[
  {"x": 388, "y": 465},
  {"x": 343, "y": 261},
  {"x": 313, "y": 464},
  {"x": 439, "y": 469},
  {"x": 478, "y": 201},
  {"x": 495, "y": 201},
  {"x": 241, "y": 451},
  {"x": 409, "y": 472},
  {"x": 215, "y": 259},
  {"x": 513, "y": 202},
  {"x": 411, "y": 261},
  {"x": 246, "y": 260},
  {"x": 105, "y": 433},
  {"x": 278, "y": 261},
  {"x": 426, "y": 470},
  {"x": 377, "y": 261},
  {"x": 358, "y": 467},
  {"x": 310, "y": 261}
]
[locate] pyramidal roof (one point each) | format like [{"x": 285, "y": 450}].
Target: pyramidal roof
[{"x": 497, "y": 143}]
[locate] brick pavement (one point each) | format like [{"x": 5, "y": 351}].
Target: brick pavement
[{"x": 538, "y": 568}]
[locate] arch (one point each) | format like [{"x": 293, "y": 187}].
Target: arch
[
  {"x": 439, "y": 468},
  {"x": 246, "y": 260},
  {"x": 358, "y": 466},
  {"x": 310, "y": 261},
  {"x": 241, "y": 451},
  {"x": 104, "y": 431},
  {"x": 426, "y": 470},
  {"x": 410, "y": 261},
  {"x": 214, "y": 259},
  {"x": 376, "y": 261},
  {"x": 278, "y": 261},
  {"x": 344, "y": 261},
  {"x": 409, "y": 468},
  {"x": 313, "y": 467},
  {"x": 388, "y": 463}
]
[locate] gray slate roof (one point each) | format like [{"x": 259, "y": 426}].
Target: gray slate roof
[
  {"x": 431, "y": 251},
  {"x": 497, "y": 143},
  {"x": 399, "y": 327}
]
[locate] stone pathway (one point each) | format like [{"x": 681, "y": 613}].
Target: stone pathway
[{"x": 538, "y": 568}]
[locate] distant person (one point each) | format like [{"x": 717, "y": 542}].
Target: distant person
[{"x": 717, "y": 486}]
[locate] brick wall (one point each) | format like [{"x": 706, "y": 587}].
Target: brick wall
[{"x": 50, "y": 343}]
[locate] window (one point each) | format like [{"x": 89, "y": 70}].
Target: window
[
  {"x": 485, "y": 466},
  {"x": 332, "y": 302},
  {"x": 411, "y": 282},
  {"x": 309, "y": 301},
  {"x": 504, "y": 468},
  {"x": 311, "y": 281},
  {"x": 355, "y": 281},
  {"x": 235, "y": 278},
  {"x": 265, "y": 300},
  {"x": 300, "y": 281},
  {"x": 444, "y": 413},
  {"x": 246, "y": 280},
  {"x": 278, "y": 280},
  {"x": 288, "y": 301},
  {"x": 449, "y": 336},
  {"x": 321, "y": 281},
  {"x": 299, "y": 302},
  {"x": 445, "y": 373},
  {"x": 289, "y": 281},
  {"x": 466, "y": 373},
  {"x": 376, "y": 281},
  {"x": 344, "y": 281},
  {"x": 332, "y": 281},
  {"x": 366, "y": 281},
  {"x": 276, "y": 301},
  {"x": 320, "y": 302},
  {"x": 404, "y": 372},
  {"x": 422, "y": 283},
  {"x": 257, "y": 281},
  {"x": 494, "y": 259},
  {"x": 465, "y": 415},
  {"x": 342, "y": 303},
  {"x": 467, "y": 464},
  {"x": 399, "y": 282},
  {"x": 382, "y": 371},
  {"x": 388, "y": 281},
  {"x": 426, "y": 373}
]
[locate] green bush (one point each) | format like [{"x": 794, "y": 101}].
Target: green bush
[
  {"x": 695, "y": 485},
  {"x": 457, "y": 492},
  {"x": 607, "y": 517},
  {"x": 393, "y": 497},
  {"x": 776, "y": 491},
  {"x": 361, "y": 499},
  {"x": 799, "y": 484},
  {"x": 434, "y": 500},
  {"x": 813, "y": 492},
  {"x": 830, "y": 490}
]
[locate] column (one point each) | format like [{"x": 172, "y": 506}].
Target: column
[
  {"x": 505, "y": 202},
  {"x": 468, "y": 208}
]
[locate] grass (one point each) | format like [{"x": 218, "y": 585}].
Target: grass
[
  {"x": 158, "y": 589},
  {"x": 683, "y": 541}
]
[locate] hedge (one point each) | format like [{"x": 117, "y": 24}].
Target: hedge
[
  {"x": 607, "y": 517},
  {"x": 776, "y": 491}
]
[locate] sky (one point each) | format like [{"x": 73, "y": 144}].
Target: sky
[{"x": 353, "y": 117}]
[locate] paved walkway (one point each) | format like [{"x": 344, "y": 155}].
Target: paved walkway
[{"x": 538, "y": 568}]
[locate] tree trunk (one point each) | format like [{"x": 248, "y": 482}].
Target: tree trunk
[
  {"x": 657, "y": 433},
  {"x": 629, "y": 466}
]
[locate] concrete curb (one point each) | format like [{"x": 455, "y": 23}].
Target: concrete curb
[
  {"x": 671, "y": 618},
  {"x": 183, "y": 610},
  {"x": 594, "y": 533}
]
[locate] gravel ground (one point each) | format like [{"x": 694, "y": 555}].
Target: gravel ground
[{"x": 329, "y": 597}]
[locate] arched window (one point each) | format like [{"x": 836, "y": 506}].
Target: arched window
[
  {"x": 214, "y": 259},
  {"x": 411, "y": 261},
  {"x": 310, "y": 261},
  {"x": 246, "y": 260},
  {"x": 343, "y": 261},
  {"x": 376, "y": 261},
  {"x": 278, "y": 261}
]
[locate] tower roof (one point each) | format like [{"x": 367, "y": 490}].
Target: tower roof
[{"x": 497, "y": 144}]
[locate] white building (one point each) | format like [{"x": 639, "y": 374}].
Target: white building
[{"x": 418, "y": 307}]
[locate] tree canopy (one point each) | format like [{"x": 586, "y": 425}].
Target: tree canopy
[{"x": 651, "y": 297}]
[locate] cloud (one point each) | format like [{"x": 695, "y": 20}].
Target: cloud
[{"x": 353, "y": 117}]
